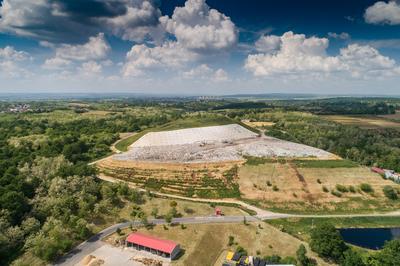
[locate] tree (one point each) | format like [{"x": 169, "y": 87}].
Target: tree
[
  {"x": 15, "y": 203},
  {"x": 136, "y": 212},
  {"x": 173, "y": 212},
  {"x": 154, "y": 212},
  {"x": 327, "y": 242},
  {"x": 390, "y": 254},
  {"x": 168, "y": 218},
  {"x": 173, "y": 204},
  {"x": 231, "y": 240},
  {"x": 390, "y": 193},
  {"x": 302, "y": 258},
  {"x": 351, "y": 258}
]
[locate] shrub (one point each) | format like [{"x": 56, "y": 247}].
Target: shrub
[
  {"x": 352, "y": 189},
  {"x": 231, "y": 240},
  {"x": 341, "y": 188},
  {"x": 269, "y": 183},
  {"x": 188, "y": 210},
  {"x": 319, "y": 181},
  {"x": 275, "y": 188},
  {"x": 302, "y": 257},
  {"x": 390, "y": 193},
  {"x": 325, "y": 189},
  {"x": 365, "y": 187},
  {"x": 336, "y": 193},
  {"x": 241, "y": 250}
]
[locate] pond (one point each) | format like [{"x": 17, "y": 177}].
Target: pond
[{"x": 372, "y": 238}]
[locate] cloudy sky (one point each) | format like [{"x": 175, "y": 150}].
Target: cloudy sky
[{"x": 200, "y": 46}]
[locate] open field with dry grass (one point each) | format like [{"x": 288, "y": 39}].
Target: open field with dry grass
[
  {"x": 206, "y": 244},
  {"x": 185, "y": 208},
  {"x": 365, "y": 121},
  {"x": 290, "y": 187},
  {"x": 259, "y": 124}
]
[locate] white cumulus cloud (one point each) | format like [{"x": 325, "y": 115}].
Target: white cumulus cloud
[
  {"x": 197, "y": 27},
  {"x": 205, "y": 72},
  {"x": 12, "y": 62},
  {"x": 90, "y": 68},
  {"x": 96, "y": 48},
  {"x": 56, "y": 63},
  {"x": 140, "y": 20},
  {"x": 268, "y": 44},
  {"x": 9, "y": 53},
  {"x": 383, "y": 13},
  {"x": 66, "y": 21},
  {"x": 341, "y": 36},
  {"x": 299, "y": 55},
  {"x": 169, "y": 55}
]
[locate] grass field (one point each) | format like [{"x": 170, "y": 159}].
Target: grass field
[
  {"x": 188, "y": 122},
  {"x": 207, "y": 244},
  {"x": 185, "y": 208},
  {"x": 301, "y": 227},
  {"x": 364, "y": 121},
  {"x": 313, "y": 186}
]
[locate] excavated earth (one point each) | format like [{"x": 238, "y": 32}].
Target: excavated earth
[{"x": 214, "y": 144}]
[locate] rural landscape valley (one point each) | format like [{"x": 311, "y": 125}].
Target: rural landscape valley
[
  {"x": 199, "y": 133},
  {"x": 214, "y": 176}
]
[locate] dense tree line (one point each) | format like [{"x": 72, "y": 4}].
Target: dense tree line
[
  {"x": 366, "y": 146},
  {"x": 332, "y": 106},
  {"x": 48, "y": 193}
]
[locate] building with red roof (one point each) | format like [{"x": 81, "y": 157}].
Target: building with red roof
[{"x": 161, "y": 247}]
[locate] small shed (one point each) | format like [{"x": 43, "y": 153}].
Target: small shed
[
  {"x": 378, "y": 170},
  {"x": 218, "y": 211},
  {"x": 161, "y": 247}
]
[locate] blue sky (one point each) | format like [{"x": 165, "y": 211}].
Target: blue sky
[{"x": 200, "y": 47}]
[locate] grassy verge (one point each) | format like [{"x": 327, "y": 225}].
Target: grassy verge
[
  {"x": 301, "y": 227},
  {"x": 325, "y": 163},
  {"x": 189, "y": 122},
  {"x": 251, "y": 160},
  {"x": 364, "y": 206}
]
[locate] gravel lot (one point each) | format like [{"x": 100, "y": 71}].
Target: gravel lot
[
  {"x": 213, "y": 144},
  {"x": 113, "y": 256}
]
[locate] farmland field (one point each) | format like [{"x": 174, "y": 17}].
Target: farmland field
[
  {"x": 291, "y": 187},
  {"x": 365, "y": 121}
]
